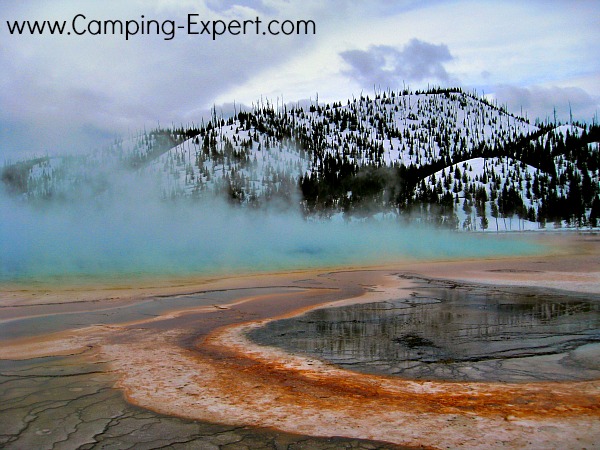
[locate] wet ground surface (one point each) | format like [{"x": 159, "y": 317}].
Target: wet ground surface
[
  {"x": 26, "y": 321},
  {"x": 432, "y": 330},
  {"x": 446, "y": 331},
  {"x": 67, "y": 403},
  {"x": 58, "y": 403}
]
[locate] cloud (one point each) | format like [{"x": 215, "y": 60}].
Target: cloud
[
  {"x": 387, "y": 66},
  {"x": 54, "y": 89},
  {"x": 540, "y": 102},
  {"x": 125, "y": 229},
  {"x": 60, "y": 93}
]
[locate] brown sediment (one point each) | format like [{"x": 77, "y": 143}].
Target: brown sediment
[
  {"x": 524, "y": 400},
  {"x": 228, "y": 379},
  {"x": 199, "y": 364}
]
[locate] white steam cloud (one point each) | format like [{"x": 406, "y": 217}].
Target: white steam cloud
[{"x": 127, "y": 230}]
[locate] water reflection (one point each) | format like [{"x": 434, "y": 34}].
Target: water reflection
[{"x": 449, "y": 332}]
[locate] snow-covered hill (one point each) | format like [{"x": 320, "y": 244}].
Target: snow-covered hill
[{"x": 443, "y": 156}]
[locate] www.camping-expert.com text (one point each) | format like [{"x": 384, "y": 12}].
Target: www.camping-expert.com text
[{"x": 81, "y": 25}]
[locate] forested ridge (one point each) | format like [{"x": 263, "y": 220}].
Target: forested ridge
[{"x": 442, "y": 156}]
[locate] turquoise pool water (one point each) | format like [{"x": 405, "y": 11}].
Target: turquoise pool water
[{"x": 171, "y": 239}]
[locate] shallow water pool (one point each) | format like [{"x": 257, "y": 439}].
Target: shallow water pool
[{"x": 447, "y": 331}]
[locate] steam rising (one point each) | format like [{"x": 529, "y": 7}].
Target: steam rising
[{"x": 128, "y": 230}]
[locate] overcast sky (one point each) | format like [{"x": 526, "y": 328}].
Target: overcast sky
[{"x": 71, "y": 93}]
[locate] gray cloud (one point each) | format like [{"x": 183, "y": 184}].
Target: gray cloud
[
  {"x": 59, "y": 94},
  {"x": 540, "y": 102},
  {"x": 387, "y": 66}
]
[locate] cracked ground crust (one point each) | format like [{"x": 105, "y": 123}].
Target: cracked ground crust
[
  {"x": 229, "y": 379},
  {"x": 200, "y": 365},
  {"x": 58, "y": 403}
]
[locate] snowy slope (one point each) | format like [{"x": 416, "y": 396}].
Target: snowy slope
[{"x": 397, "y": 152}]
